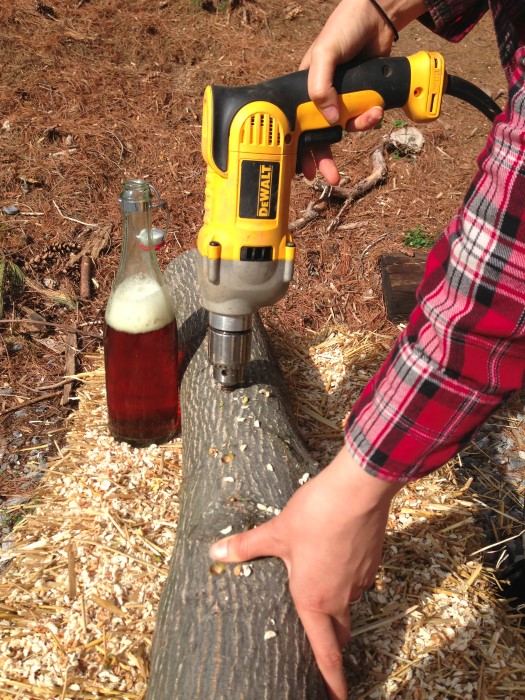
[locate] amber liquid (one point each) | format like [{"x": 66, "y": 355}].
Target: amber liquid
[{"x": 142, "y": 384}]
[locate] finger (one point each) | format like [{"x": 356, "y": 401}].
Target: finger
[
  {"x": 305, "y": 63},
  {"x": 326, "y": 165},
  {"x": 308, "y": 165},
  {"x": 320, "y": 158},
  {"x": 244, "y": 546},
  {"x": 327, "y": 651},
  {"x": 368, "y": 120}
]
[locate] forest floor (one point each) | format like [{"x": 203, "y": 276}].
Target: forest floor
[{"x": 96, "y": 91}]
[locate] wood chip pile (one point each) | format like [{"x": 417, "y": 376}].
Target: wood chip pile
[
  {"x": 78, "y": 601},
  {"x": 88, "y": 561}
]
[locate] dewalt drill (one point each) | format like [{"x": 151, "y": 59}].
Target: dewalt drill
[{"x": 252, "y": 140}]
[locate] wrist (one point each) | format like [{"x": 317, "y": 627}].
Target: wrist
[
  {"x": 386, "y": 19},
  {"x": 366, "y": 492},
  {"x": 402, "y": 12}
]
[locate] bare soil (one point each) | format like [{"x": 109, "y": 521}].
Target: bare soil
[{"x": 96, "y": 91}]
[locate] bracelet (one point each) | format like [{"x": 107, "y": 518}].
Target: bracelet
[{"x": 386, "y": 18}]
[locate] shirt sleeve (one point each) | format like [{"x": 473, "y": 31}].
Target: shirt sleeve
[
  {"x": 463, "y": 351},
  {"x": 453, "y": 19}
]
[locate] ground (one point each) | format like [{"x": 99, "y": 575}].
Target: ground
[{"x": 97, "y": 91}]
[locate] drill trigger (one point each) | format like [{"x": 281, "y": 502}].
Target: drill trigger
[{"x": 307, "y": 139}]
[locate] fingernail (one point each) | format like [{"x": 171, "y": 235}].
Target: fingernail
[
  {"x": 331, "y": 114},
  {"x": 219, "y": 550}
]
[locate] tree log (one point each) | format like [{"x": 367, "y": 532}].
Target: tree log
[{"x": 230, "y": 632}]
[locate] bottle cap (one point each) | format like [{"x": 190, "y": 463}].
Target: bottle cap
[{"x": 157, "y": 238}]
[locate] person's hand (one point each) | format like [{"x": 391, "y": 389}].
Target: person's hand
[
  {"x": 330, "y": 537},
  {"x": 354, "y": 29}
]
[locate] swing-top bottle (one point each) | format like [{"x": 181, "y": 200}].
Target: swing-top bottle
[{"x": 140, "y": 334}]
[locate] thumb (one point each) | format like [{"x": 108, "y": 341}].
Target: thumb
[{"x": 250, "y": 544}]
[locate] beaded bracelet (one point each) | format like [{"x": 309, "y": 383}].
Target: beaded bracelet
[{"x": 386, "y": 18}]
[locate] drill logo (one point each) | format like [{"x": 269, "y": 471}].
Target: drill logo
[
  {"x": 265, "y": 189},
  {"x": 259, "y": 189}
]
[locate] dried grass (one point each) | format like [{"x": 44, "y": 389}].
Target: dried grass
[{"x": 89, "y": 560}]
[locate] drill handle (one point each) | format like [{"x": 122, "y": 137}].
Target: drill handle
[{"x": 414, "y": 83}]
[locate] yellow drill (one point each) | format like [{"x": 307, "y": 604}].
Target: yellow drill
[{"x": 252, "y": 140}]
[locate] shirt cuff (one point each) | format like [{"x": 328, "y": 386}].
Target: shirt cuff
[{"x": 453, "y": 19}]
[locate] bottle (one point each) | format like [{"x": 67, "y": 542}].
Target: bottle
[{"x": 140, "y": 331}]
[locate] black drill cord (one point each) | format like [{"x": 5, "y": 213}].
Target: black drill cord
[{"x": 475, "y": 96}]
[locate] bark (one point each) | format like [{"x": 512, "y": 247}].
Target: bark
[{"x": 222, "y": 633}]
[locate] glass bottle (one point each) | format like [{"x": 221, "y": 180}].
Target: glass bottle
[{"x": 140, "y": 331}]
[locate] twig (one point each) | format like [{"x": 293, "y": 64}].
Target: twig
[
  {"x": 57, "y": 385},
  {"x": 314, "y": 210},
  {"x": 496, "y": 544},
  {"x": 70, "y": 218},
  {"x": 122, "y": 147},
  {"x": 371, "y": 245},
  {"x": 376, "y": 177},
  {"x": 67, "y": 329},
  {"x": 30, "y": 402},
  {"x": 85, "y": 277},
  {"x": 71, "y": 351}
]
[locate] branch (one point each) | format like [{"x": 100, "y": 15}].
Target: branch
[{"x": 315, "y": 209}]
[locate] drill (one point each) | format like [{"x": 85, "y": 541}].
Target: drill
[{"x": 252, "y": 140}]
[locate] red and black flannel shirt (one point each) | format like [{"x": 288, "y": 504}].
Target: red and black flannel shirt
[{"x": 463, "y": 352}]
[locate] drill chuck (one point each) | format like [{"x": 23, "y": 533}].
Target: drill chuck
[{"x": 229, "y": 347}]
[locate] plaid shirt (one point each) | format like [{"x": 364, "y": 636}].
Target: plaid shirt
[{"x": 463, "y": 352}]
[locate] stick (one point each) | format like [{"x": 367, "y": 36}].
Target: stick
[
  {"x": 85, "y": 277},
  {"x": 70, "y": 218},
  {"x": 315, "y": 209},
  {"x": 71, "y": 351},
  {"x": 30, "y": 402}
]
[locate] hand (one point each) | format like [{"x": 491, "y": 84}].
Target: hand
[
  {"x": 330, "y": 537},
  {"x": 354, "y": 29}
]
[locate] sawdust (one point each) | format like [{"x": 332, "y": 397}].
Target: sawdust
[{"x": 87, "y": 562}]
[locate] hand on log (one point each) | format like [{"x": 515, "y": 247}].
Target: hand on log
[
  {"x": 330, "y": 536},
  {"x": 232, "y": 632}
]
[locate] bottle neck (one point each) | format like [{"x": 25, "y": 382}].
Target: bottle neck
[{"x": 138, "y": 252}]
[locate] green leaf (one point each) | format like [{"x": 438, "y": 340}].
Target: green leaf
[{"x": 418, "y": 238}]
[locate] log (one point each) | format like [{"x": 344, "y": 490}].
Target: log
[
  {"x": 401, "y": 276},
  {"x": 230, "y": 631}
]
